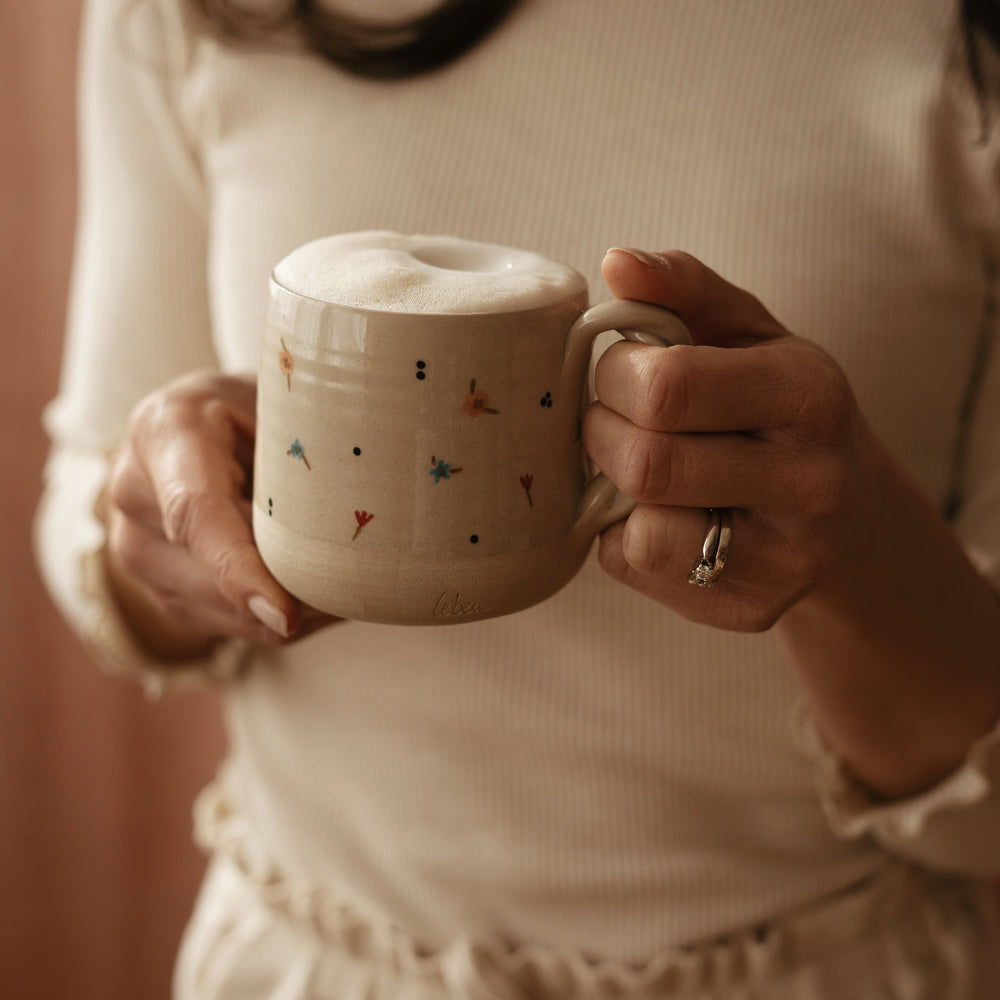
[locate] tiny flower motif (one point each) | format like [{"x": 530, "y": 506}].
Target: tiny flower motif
[
  {"x": 362, "y": 517},
  {"x": 526, "y": 482},
  {"x": 287, "y": 363},
  {"x": 297, "y": 451},
  {"x": 440, "y": 469},
  {"x": 477, "y": 402}
]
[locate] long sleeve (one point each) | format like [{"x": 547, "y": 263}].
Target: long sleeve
[
  {"x": 138, "y": 311},
  {"x": 954, "y": 826}
]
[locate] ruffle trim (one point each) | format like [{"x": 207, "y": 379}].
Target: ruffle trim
[
  {"x": 985, "y": 563},
  {"x": 108, "y": 636},
  {"x": 486, "y": 968},
  {"x": 852, "y": 812}
]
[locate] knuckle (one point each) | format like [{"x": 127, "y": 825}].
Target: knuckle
[
  {"x": 126, "y": 489},
  {"x": 753, "y": 306},
  {"x": 138, "y": 425},
  {"x": 181, "y": 510},
  {"x": 645, "y": 388},
  {"x": 822, "y": 490},
  {"x": 819, "y": 556},
  {"x": 174, "y": 403},
  {"x": 119, "y": 489},
  {"x": 688, "y": 267},
  {"x": 152, "y": 412},
  {"x": 802, "y": 562},
  {"x": 612, "y": 558},
  {"x": 641, "y": 466},
  {"x": 183, "y": 610},
  {"x": 150, "y": 420},
  {"x": 657, "y": 386},
  {"x": 757, "y": 617},
  {"x": 143, "y": 413},
  {"x": 229, "y": 570},
  {"x": 643, "y": 546},
  {"x": 174, "y": 605},
  {"x": 194, "y": 386},
  {"x": 824, "y": 400},
  {"x": 806, "y": 556},
  {"x": 127, "y": 546},
  {"x": 680, "y": 366},
  {"x": 754, "y": 611}
]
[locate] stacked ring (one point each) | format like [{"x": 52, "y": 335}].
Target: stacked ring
[{"x": 714, "y": 548}]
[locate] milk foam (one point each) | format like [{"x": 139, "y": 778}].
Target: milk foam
[{"x": 392, "y": 272}]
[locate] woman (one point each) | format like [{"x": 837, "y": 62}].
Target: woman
[{"x": 780, "y": 784}]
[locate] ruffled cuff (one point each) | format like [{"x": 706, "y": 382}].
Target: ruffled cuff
[
  {"x": 70, "y": 540},
  {"x": 954, "y": 826},
  {"x": 984, "y": 562},
  {"x": 120, "y": 655}
]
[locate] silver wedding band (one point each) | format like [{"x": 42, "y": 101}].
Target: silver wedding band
[{"x": 714, "y": 548}]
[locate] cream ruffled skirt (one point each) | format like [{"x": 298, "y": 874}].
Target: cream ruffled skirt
[{"x": 256, "y": 935}]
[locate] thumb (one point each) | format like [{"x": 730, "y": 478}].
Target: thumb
[{"x": 713, "y": 309}]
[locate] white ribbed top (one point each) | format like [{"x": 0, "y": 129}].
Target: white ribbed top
[{"x": 593, "y": 772}]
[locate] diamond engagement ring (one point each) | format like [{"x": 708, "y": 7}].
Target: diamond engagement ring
[{"x": 714, "y": 548}]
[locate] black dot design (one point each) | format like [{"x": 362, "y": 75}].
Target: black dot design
[
  {"x": 546, "y": 401},
  {"x": 421, "y": 373},
  {"x": 270, "y": 507},
  {"x": 357, "y": 451},
  {"x": 474, "y": 539}
]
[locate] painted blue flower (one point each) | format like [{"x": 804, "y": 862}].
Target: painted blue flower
[
  {"x": 442, "y": 469},
  {"x": 297, "y": 451}
]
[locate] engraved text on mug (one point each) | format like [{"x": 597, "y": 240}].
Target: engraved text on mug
[{"x": 457, "y": 607}]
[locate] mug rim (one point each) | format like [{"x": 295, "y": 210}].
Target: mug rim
[{"x": 583, "y": 291}]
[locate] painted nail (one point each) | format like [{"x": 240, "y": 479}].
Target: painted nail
[
  {"x": 266, "y": 613},
  {"x": 652, "y": 260}
]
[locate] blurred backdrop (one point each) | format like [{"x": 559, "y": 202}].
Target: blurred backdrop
[{"x": 97, "y": 870}]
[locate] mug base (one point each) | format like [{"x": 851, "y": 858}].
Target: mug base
[{"x": 373, "y": 585}]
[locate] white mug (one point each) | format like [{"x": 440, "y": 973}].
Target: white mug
[{"x": 418, "y": 455}]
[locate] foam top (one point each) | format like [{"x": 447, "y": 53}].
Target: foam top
[{"x": 391, "y": 272}]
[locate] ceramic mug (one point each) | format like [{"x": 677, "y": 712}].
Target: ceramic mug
[{"x": 418, "y": 455}]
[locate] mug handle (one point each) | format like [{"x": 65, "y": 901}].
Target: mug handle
[{"x": 602, "y": 503}]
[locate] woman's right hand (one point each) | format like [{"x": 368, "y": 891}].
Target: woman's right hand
[{"x": 181, "y": 558}]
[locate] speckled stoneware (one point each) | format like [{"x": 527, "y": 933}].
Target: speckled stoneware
[{"x": 422, "y": 467}]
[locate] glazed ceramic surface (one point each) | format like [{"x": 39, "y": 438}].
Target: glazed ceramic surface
[{"x": 422, "y": 467}]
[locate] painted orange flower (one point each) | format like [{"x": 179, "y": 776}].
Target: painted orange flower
[
  {"x": 477, "y": 402},
  {"x": 287, "y": 363}
]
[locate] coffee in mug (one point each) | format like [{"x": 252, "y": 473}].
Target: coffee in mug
[{"x": 418, "y": 456}]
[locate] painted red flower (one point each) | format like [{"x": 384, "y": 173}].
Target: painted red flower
[
  {"x": 362, "y": 517},
  {"x": 526, "y": 482}
]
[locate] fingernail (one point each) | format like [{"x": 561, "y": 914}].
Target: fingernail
[
  {"x": 266, "y": 613},
  {"x": 653, "y": 260}
]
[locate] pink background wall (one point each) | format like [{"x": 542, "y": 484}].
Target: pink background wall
[{"x": 97, "y": 870}]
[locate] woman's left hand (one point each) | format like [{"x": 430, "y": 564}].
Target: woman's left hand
[
  {"x": 750, "y": 418},
  {"x": 893, "y": 635}
]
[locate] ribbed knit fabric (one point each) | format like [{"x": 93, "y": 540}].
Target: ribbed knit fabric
[{"x": 593, "y": 774}]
